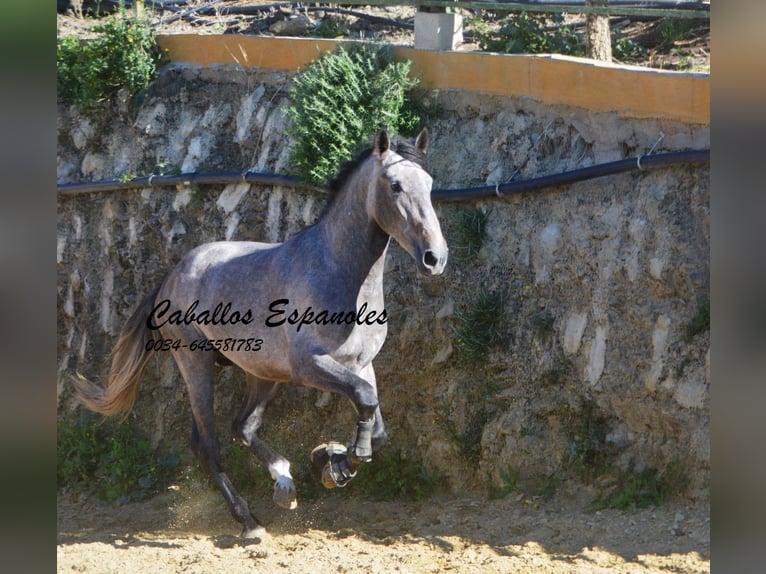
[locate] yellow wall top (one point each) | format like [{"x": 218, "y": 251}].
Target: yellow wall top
[{"x": 579, "y": 82}]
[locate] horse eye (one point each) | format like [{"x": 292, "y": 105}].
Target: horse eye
[{"x": 396, "y": 187}]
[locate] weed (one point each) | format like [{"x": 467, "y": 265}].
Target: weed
[
  {"x": 509, "y": 477},
  {"x": 339, "y": 100},
  {"x": 197, "y": 201},
  {"x": 589, "y": 453},
  {"x": 468, "y": 440},
  {"x": 627, "y": 49},
  {"x": 330, "y": 27},
  {"x": 557, "y": 376},
  {"x": 392, "y": 476},
  {"x": 550, "y": 484},
  {"x": 164, "y": 167},
  {"x": 675, "y": 29},
  {"x": 468, "y": 229},
  {"x": 643, "y": 489},
  {"x": 543, "y": 324},
  {"x": 123, "y": 55},
  {"x": 112, "y": 459},
  {"x": 701, "y": 320},
  {"x": 482, "y": 327},
  {"x": 531, "y": 33}
]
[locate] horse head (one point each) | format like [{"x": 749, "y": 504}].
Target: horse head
[{"x": 400, "y": 201}]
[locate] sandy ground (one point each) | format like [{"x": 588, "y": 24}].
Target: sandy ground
[{"x": 192, "y": 532}]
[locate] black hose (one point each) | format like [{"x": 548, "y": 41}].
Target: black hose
[
  {"x": 567, "y": 177},
  {"x": 184, "y": 179},
  {"x": 535, "y": 184}
]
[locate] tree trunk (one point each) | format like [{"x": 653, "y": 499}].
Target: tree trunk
[{"x": 598, "y": 39}]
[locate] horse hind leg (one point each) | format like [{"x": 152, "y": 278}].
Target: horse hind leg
[
  {"x": 246, "y": 427},
  {"x": 198, "y": 375}
]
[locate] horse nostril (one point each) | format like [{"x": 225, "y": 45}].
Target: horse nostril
[{"x": 429, "y": 259}]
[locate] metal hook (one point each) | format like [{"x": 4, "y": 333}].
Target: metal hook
[{"x": 659, "y": 139}]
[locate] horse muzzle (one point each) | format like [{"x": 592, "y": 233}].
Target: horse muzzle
[{"x": 432, "y": 261}]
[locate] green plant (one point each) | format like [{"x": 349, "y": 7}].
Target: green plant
[
  {"x": 467, "y": 437},
  {"x": 589, "y": 452},
  {"x": 482, "y": 326},
  {"x": 468, "y": 231},
  {"x": 674, "y": 29},
  {"x": 330, "y": 27},
  {"x": 701, "y": 320},
  {"x": 627, "y": 49},
  {"x": 509, "y": 477},
  {"x": 111, "y": 459},
  {"x": 339, "y": 100},
  {"x": 644, "y": 489},
  {"x": 392, "y": 476},
  {"x": 543, "y": 323},
  {"x": 531, "y": 33},
  {"x": 123, "y": 55}
]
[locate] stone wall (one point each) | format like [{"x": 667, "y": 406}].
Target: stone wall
[{"x": 598, "y": 363}]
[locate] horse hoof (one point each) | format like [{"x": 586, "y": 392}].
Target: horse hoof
[
  {"x": 327, "y": 480},
  {"x": 320, "y": 461},
  {"x": 319, "y": 458},
  {"x": 255, "y": 533},
  {"x": 332, "y": 461},
  {"x": 284, "y": 493}
]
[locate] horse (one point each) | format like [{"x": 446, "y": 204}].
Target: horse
[{"x": 309, "y": 311}]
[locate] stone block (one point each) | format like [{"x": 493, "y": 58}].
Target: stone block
[{"x": 438, "y": 31}]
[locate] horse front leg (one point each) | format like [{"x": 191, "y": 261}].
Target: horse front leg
[{"x": 338, "y": 463}]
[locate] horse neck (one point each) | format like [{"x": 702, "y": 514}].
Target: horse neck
[{"x": 353, "y": 237}]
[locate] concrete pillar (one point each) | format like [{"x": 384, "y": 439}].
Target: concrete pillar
[{"x": 438, "y": 30}]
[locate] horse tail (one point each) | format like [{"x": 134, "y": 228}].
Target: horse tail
[{"x": 129, "y": 358}]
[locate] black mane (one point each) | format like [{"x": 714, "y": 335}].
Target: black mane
[{"x": 403, "y": 147}]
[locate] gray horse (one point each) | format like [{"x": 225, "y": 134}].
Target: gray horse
[{"x": 308, "y": 311}]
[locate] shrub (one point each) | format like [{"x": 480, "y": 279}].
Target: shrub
[
  {"x": 482, "y": 326},
  {"x": 110, "y": 459},
  {"x": 530, "y": 33},
  {"x": 339, "y": 100},
  {"x": 468, "y": 231},
  {"x": 644, "y": 489},
  {"x": 122, "y": 55},
  {"x": 392, "y": 476}
]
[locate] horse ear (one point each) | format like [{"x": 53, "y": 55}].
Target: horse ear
[
  {"x": 382, "y": 142},
  {"x": 421, "y": 142}
]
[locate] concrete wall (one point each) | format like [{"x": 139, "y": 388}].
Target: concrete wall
[{"x": 600, "y": 279}]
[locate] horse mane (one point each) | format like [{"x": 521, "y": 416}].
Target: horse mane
[{"x": 401, "y": 146}]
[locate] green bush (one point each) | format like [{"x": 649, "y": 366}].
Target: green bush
[
  {"x": 701, "y": 321},
  {"x": 468, "y": 231},
  {"x": 627, "y": 49},
  {"x": 111, "y": 460},
  {"x": 482, "y": 327},
  {"x": 339, "y": 100},
  {"x": 391, "y": 476},
  {"x": 530, "y": 33},
  {"x": 644, "y": 489},
  {"x": 122, "y": 55}
]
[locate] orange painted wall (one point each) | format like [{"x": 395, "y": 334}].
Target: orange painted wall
[{"x": 579, "y": 82}]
